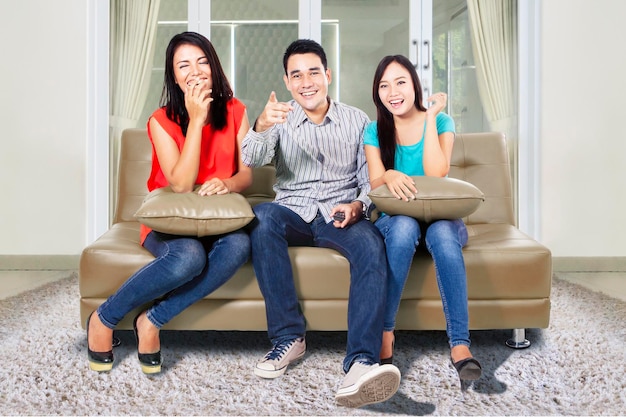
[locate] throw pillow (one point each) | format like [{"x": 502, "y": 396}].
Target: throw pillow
[
  {"x": 190, "y": 214},
  {"x": 437, "y": 198}
]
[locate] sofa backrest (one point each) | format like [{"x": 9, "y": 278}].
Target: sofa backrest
[
  {"x": 482, "y": 159},
  {"x": 134, "y": 170},
  {"x": 478, "y": 158}
]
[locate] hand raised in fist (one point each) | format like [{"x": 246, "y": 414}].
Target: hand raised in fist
[{"x": 437, "y": 102}]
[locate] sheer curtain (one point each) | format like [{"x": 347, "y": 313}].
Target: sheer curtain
[
  {"x": 493, "y": 28},
  {"x": 132, "y": 39}
]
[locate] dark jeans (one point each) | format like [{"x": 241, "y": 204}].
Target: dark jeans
[
  {"x": 274, "y": 229},
  {"x": 185, "y": 270},
  {"x": 444, "y": 240}
]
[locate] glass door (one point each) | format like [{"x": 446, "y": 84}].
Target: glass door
[
  {"x": 454, "y": 67},
  {"x": 358, "y": 34},
  {"x": 250, "y": 37}
]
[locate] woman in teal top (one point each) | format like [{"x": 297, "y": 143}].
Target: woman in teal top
[{"x": 409, "y": 140}]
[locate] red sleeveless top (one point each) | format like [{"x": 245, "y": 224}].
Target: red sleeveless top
[{"x": 218, "y": 150}]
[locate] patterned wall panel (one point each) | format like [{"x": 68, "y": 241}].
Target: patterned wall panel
[{"x": 259, "y": 63}]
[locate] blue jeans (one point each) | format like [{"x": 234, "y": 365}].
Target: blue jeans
[
  {"x": 444, "y": 241},
  {"x": 185, "y": 270},
  {"x": 274, "y": 229}
]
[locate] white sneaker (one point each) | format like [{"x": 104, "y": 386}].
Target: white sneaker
[
  {"x": 275, "y": 362},
  {"x": 368, "y": 384}
]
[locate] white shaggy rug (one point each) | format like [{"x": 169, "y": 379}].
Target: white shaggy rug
[{"x": 575, "y": 367}]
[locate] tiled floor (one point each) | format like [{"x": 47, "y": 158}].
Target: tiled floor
[{"x": 610, "y": 283}]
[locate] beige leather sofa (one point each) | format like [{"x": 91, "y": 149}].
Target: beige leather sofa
[{"x": 509, "y": 274}]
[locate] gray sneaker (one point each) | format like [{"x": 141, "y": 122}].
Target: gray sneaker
[
  {"x": 275, "y": 362},
  {"x": 368, "y": 384}
]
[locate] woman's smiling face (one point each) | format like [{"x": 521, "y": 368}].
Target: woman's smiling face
[
  {"x": 191, "y": 67},
  {"x": 396, "y": 90}
]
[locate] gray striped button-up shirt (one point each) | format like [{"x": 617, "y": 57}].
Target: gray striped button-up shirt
[{"x": 317, "y": 166}]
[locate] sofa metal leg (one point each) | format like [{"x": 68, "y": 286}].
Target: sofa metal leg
[{"x": 518, "y": 341}]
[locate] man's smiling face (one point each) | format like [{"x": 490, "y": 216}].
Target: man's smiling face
[{"x": 308, "y": 81}]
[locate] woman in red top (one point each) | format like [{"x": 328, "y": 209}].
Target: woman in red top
[{"x": 196, "y": 139}]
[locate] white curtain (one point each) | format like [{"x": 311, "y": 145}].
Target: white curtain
[
  {"x": 132, "y": 39},
  {"x": 493, "y": 28}
]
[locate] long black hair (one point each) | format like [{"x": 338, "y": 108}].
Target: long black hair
[
  {"x": 173, "y": 98},
  {"x": 385, "y": 123}
]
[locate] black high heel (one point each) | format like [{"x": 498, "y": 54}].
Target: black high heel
[
  {"x": 469, "y": 369},
  {"x": 389, "y": 360},
  {"x": 150, "y": 362},
  {"x": 98, "y": 361}
]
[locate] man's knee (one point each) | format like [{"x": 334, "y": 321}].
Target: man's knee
[
  {"x": 255, "y": 227},
  {"x": 369, "y": 236},
  {"x": 261, "y": 210}
]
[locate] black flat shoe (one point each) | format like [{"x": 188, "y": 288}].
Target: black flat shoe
[
  {"x": 469, "y": 369},
  {"x": 150, "y": 362},
  {"x": 98, "y": 361},
  {"x": 389, "y": 360}
]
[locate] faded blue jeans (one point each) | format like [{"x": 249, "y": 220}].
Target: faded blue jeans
[
  {"x": 274, "y": 229},
  {"x": 185, "y": 270},
  {"x": 444, "y": 241}
]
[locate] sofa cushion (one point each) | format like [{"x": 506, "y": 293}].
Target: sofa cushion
[
  {"x": 437, "y": 198},
  {"x": 191, "y": 214}
]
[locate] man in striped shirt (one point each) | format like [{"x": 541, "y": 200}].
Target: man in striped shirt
[{"x": 316, "y": 145}]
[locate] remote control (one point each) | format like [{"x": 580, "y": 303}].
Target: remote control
[{"x": 339, "y": 216}]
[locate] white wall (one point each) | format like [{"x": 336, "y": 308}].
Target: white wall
[
  {"x": 43, "y": 119},
  {"x": 43, "y": 115},
  {"x": 583, "y": 145}
]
